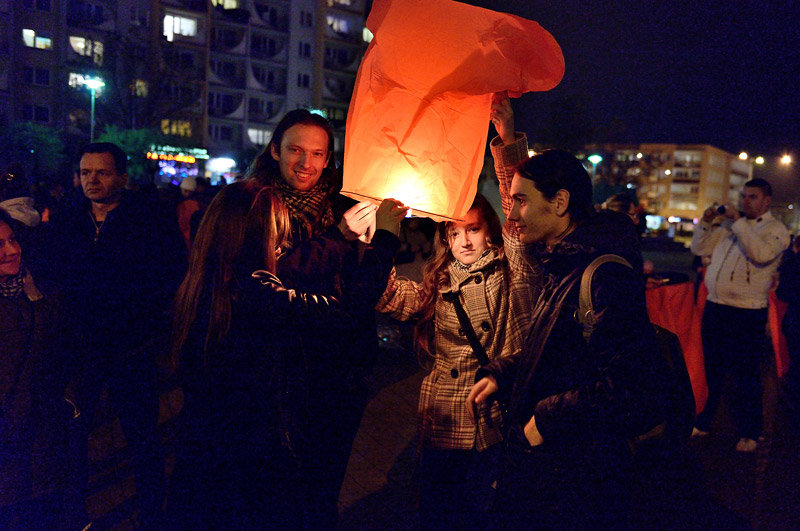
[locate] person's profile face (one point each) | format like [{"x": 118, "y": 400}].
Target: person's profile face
[
  {"x": 10, "y": 252},
  {"x": 534, "y": 214},
  {"x": 303, "y": 155},
  {"x": 100, "y": 181}
]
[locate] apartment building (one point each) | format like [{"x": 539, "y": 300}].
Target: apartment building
[
  {"x": 218, "y": 73},
  {"x": 673, "y": 180}
]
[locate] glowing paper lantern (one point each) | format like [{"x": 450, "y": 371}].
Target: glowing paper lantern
[{"x": 418, "y": 119}]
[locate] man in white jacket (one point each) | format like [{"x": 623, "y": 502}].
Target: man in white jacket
[{"x": 744, "y": 260}]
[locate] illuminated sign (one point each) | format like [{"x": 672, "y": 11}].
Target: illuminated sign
[{"x": 177, "y": 154}]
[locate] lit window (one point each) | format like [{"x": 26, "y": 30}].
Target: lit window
[
  {"x": 260, "y": 137},
  {"x": 176, "y": 127},
  {"x": 32, "y": 40},
  {"x": 139, "y": 88},
  {"x": 43, "y": 43},
  {"x": 88, "y": 48},
  {"x": 226, "y": 4},
  {"x": 175, "y": 25},
  {"x": 75, "y": 80},
  {"x": 339, "y": 25}
]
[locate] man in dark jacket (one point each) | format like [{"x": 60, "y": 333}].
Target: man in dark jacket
[
  {"x": 573, "y": 402},
  {"x": 121, "y": 262},
  {"x": 299, "y": 162}
]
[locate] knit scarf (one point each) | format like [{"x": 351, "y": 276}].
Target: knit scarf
[
  {"x": 310, "y": 211},
  {"x": 12, "y": 286}
]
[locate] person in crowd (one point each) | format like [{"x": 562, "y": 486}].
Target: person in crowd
[
  {"x": 187, "y": 207},
  {"x": 121, "y": 262},
  {"x": 472, "y": 268},
  {"x": 624, "y": 204},
  {"x": 16, "y": 198},
  {"x": 238, "y": 340},
  {"x": 33, "y": 413},
  {"x": 572, "y": 402},
  {"x": 739, "y": 277},
  {"x": 299, "y": 163},
  {"x": 789, "y": 292}
]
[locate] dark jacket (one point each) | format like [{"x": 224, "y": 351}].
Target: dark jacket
[
  {"x": 118, "y": 286},
  {"x": 33, "y": 412},
  {"x": 586, "y": 398},
  {"x": 245, "y": 423}
]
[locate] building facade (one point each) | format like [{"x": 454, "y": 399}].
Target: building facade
[
  {"x": 671, "y": 180},
  {"x": 218, "y": 73}
]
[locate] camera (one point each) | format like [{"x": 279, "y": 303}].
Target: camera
[{"x": 721, "y": 209}]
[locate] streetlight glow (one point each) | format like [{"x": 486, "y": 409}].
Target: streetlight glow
[
  {"x": 94, "y": 84},
  {"x": 668, "y": 172},
  {"x": 786, "y": 159},
  {"x": 759, "y": 160},
  {"x": 743, "y": 155},
  {"x": 595, "y": 160}
]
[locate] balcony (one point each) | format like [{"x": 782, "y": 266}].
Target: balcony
[
  {"x": 273, "y": 17},
  {"x": 239, "y": 16},
  {"x": 343, "y": 58},
  {"x": 338, "y": 88},
  {"x": 86, "y": 14}
]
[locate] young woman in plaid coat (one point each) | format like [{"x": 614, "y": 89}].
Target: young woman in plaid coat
[{"x": 483, "y": 266}]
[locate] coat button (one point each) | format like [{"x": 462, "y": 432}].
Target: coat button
[
  {"x": 454, "y": 373},
  {"x": 460, "y": 332},
  {"x": 485, "y": 326},
  {"x": 477, "y": 280}
]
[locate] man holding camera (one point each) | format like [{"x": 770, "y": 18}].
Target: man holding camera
[{"x": 743, "y": 263}]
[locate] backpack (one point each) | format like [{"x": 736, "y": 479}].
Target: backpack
[{"x": 675, "y": 427}]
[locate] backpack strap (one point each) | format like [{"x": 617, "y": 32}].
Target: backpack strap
[{"x": 585, "y": 313}]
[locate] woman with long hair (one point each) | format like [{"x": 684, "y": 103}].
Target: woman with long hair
[
  {"x": 237, "y": 345},
  {"x": 477, "y": 269}
]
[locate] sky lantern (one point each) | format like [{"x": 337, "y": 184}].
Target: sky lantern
[{"x": 418, "y": 119}]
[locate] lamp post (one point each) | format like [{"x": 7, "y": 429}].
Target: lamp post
[
  {"x": 93, "y": 84},
  {"x": 595, "y": 160}
]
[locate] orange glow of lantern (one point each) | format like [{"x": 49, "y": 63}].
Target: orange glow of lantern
[{"x": 418, "y": 119}]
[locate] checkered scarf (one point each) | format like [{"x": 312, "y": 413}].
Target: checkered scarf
[
  {"x": 310, "y": 212},
  {"x": 12, "y": 286}
]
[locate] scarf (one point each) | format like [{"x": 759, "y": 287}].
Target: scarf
[
  {"x": 12, "y": 286},
  {"x": 310, "y": 211}
]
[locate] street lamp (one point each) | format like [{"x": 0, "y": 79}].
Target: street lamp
[
  {"x": 93, "y": 84},
  {"x": 595, "y": 160},
  {"x": 786, "y": 160}
]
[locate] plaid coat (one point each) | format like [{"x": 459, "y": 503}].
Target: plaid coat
[{"x": 498, "y": 301}]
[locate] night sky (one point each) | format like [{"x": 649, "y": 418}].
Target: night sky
[{"x": 714, "y": 72}]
